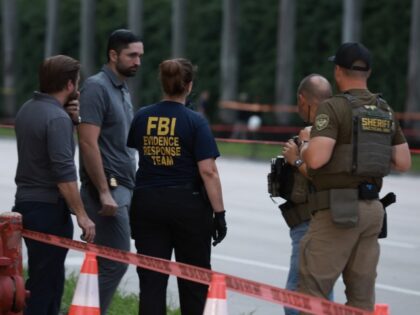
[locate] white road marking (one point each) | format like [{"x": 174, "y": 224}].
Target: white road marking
[
  {"x": 397, "y": 244},
  {"x": 286, "y": 269}
]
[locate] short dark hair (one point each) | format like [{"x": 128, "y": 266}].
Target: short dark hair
[
  {"x": 175, "y": 75},
  {"x": 56, "y": 71},
  {"x": 120, "y": 39}
]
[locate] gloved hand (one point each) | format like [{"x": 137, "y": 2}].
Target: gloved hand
[{"x": 219, "y": 227}]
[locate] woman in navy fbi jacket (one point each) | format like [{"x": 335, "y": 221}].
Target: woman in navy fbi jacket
[{"x": 177, "y": 202}]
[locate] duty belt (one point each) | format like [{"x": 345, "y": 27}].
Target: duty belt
[{"x": 320, "y": 200}]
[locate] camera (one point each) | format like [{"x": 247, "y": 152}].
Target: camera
[{"x": 280, "y": 178}]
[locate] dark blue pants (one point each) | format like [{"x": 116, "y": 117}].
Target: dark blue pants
[{"x": 45, "y": 262}]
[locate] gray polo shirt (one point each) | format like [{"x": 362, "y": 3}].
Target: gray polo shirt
[
  {"x": 105, "y": 102},
  {"x": 45, "y": 144}
]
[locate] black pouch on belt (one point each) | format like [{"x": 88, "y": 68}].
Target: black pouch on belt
[{"x": 344, "y": 205}]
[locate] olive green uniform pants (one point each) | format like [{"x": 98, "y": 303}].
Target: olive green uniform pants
[{"x": 327, "y": 251}]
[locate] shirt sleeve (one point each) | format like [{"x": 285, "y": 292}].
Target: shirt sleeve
[
  {"x": 326, "y": 122},
  {"x": 61, "y": 149},
  {"x": 399, "y": 137},
  {"x": 205, "y": 146},
  {"x": 93, "y": 103}
]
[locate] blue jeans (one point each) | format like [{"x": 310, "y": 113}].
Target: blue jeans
[
  {"x": 45, "y": 262},
  {"x": 296, "y": 234}
]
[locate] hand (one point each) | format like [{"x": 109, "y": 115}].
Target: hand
[
  {"x": 219, "y": 227},
  {"x": 72, "y": 108},
  {"x": 305, "y": 134},
  {"x": 109, "y": 206},
  {"x": 291, "y": 152},
  {"x": 88, "y": 228}
]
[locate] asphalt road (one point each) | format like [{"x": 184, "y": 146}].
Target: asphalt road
[{"x": 258, "y": 245}]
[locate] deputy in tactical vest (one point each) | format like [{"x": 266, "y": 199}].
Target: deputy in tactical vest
[
  {"x": 354, "y": 143},
  {"x": 296, "y": 211}
]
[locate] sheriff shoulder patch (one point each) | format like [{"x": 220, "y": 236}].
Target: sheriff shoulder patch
[{"x": 321, "y": 121}]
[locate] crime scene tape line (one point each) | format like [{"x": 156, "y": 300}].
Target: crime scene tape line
[{"x": 262, "y": 291}]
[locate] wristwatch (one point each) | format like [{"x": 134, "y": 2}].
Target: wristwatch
[
  {"x": 77, "y": 121},
  {"x": 298, "y": 163}
]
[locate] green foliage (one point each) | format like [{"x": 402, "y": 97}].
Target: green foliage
[
  {"x": 122, "y": 303},
  {"x": 385, "y": 30},
  {"x": 257, "y": 50}
]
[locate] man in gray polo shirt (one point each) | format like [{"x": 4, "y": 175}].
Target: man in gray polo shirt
[
  {"x": 46, "y": 179},
  {"x": 107, "y": 164}
]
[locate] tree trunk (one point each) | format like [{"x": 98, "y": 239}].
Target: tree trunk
[
  {"x": 285, "y": 58},
  {"x": 135, "y": 24},
  {"x": 51, "y": 38},
  {"x": 178, "y": 28},
  {"x": 352, "y": 20},
  {"x": 9, "y": 16},
  {"x": 87, "y": 41},
  {"x": 229, "y": 57},
  {"x": 413, "y": 80}
]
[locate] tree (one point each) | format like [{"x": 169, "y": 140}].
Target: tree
[
  {"x": 87, "y": 41},
  {"x": 229, "y": 55},
  {"x": 352, "y": 20},
  {"x": 413, "y": 80},
  {"x": 9, "y": 22},
  {"x": 51, "y": 38},
  {"x": 178, "y": 28},
  {"x": 285, "y": 57},
  {"x": 135, "y": 24}
]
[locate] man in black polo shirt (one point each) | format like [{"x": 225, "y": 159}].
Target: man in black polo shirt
[{"x": 46, "y": 179}]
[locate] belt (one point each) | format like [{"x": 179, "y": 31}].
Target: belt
[
  {"x": 192, "y": 186},
  {"x": 321, "y": 199}
]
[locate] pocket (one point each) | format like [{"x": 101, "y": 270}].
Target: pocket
[
  {"x": 344, "y": 205},
  {"x": 122, "y": 196}
]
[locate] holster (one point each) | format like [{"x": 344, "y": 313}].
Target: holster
[
  {"x": 343, "y": 203},
  {"x": 295, "y": 214}
]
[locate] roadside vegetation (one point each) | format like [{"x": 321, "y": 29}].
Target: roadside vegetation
[
  {"x": 122, "y": 303},
  {"x": 259, "y": 152}
]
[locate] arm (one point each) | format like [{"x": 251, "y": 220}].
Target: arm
[
  {"x": 92, "y": 161},
  {"x": 291, "y": 153},
  {"x": 401, "y": 158},
  {"x": 210, "y": 176},
  {"x": 70, "y": 193},
  {"x": 318, "y": 151}
]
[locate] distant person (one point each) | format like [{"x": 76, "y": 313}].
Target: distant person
[
  {"x": 46, "y": 179},
  {"x": 177, "y": 203},
  {"x": 204, "y": 103},
  {"x": 312, "y": 90},
  {"x": 107, "y": 165},
  {"x": 355, "y": 141}
]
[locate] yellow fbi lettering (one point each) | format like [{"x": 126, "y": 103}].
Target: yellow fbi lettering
[
  {"x": 376, "y": 124},
  {"x": 163, "y": 125},
  {"x": 160, "y": 142}
]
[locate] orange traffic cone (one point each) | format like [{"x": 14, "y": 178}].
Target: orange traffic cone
[
  {"x": 381, "y": 309},
  {"x": 216, "y": 298},
  {"x": 86, "y": 296}
]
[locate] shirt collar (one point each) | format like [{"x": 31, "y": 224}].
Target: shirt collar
[
  {"x": 113, "y": 77},
  {"x": 46, "y": 98}
]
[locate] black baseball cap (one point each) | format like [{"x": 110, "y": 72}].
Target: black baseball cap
[{"x": 349, "y": 53}]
